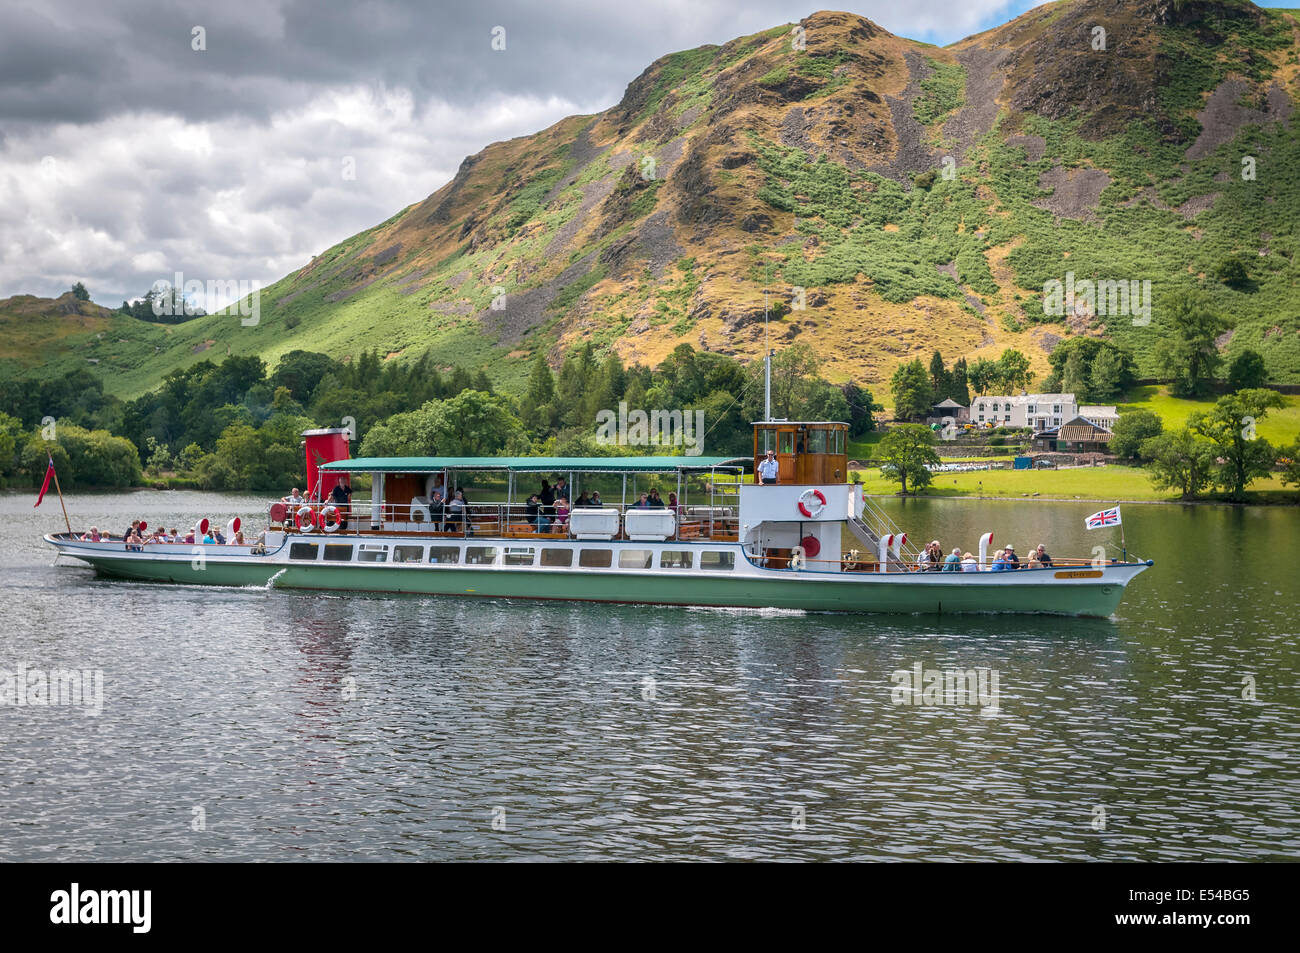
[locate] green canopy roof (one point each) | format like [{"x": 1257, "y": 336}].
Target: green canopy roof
[{"x": 531, "y": 464}]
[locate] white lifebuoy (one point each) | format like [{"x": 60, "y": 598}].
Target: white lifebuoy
[
  {"x": 806, "y": 506},
  {"x": 796, "y": 558},
  {"x": 304, "y": 519},
  {"x": 329, "y": 519}
]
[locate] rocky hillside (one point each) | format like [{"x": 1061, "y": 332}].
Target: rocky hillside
[{"x": 920, "y": 196}]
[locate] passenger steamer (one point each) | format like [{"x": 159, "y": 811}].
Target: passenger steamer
[{"x": 727, "y": 542}]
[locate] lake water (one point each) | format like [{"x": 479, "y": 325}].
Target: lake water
[{"x": 270, "y": 725}]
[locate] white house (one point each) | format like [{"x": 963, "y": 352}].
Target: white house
[
  {"x": 1038, "y": 411},
  {"x": 1100, "y": 415}
]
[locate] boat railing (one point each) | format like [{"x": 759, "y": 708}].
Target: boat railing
[{"x": 363, "y": 517}]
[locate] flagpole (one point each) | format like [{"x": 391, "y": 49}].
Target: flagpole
[
  {"x": 1122, "y": 543},
  {"x": 64, "y": 508}
]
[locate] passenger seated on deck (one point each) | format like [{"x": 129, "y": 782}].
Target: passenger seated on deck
[
  {"x": 561, "y": 511},
  {"x": 1041, "y": 555},
  {"x": 173, "y": 536},
  {"x": 133, "y": 528},
  {"x": 189, "y": 537},
  {"x": 595, "y": 498},
  {"x": 656, "y": 501},
  {"x": 969, "y": 563},
  {"x": 456, "y": 512},
  {"x": 133, "y": 541},
  {"x": 92, "y": 536},
  {"x": 294, "y": 498},
  {"x": 237, "y": 539},
  {"x": 999, "y": 561},
  {"x": 1013, "y": 561},
  {"x": 1032, "y": 562},
  {"x": 643, "y": 503},
  {"x": 535, "y": 515},
  {"x": 208, "y": 538},
  {"x": 953, "y": 562},
  {"x": 582, "y": 500},
  {"x": 218, "y": 537}
]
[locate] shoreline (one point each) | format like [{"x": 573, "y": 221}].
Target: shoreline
[{"x": 1078, "y": 499}]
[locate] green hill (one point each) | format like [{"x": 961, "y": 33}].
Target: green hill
[{"x": 657, "y": 221}]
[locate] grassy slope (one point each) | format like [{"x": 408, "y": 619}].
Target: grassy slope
[
  {"x": 514, "y": 219},
  {"x": 1281, "y": 427}
]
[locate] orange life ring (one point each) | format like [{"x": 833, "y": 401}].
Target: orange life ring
[
  {"x": 806, "y": 497},
  {"x": 304, "y": 519}
]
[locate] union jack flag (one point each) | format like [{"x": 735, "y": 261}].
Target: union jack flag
[{"x": 1108, "y": 517}]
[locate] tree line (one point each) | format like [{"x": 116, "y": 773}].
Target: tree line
[{"x": 237, "y": 424}]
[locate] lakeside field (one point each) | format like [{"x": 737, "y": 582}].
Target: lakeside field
[{"x": 1105, "y": 484}]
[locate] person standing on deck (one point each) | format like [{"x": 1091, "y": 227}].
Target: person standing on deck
[
  {"x": 341, "y": 495},
  {"x": 769, "y": 469}
]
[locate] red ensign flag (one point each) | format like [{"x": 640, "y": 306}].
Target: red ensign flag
[{"x": 46, "y": 485}]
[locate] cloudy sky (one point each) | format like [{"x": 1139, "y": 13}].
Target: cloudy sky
[{"x": 126, "y": 154}]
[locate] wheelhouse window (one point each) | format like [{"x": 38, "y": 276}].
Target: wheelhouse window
[
  {"x": 557, "y": 558},
  {"x": 716, "y": 560},
  {"x": 519, "y": 555},
  {"x": 480, "y": 555},
  {"x": 817, "y": 441},
  {"x": 408, "y": 554},
  {"x": 675, "y": 559},
  {"x": 303, "y": 550},
  {"x": 338, "y": 552},
  {"x": 634, "y": 558},
  {"x": 785, "y": 442},
  {"x": 451, "y": 554},
  {"x": 595, "y": 558},
  {"x": 373, "y": 553}
]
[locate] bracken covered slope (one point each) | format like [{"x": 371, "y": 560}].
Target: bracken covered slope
[{"x": 800, "y": 158}]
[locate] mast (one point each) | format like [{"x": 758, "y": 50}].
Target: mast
[{"x": 767, "y": 353}]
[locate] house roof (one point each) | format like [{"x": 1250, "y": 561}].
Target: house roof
[
  {"x": 1079, "y": 430},
  {"x": 530, "y": 464},
  {"x": 1028, "y": 398},
  {"x": 949, "y": 402},
  {"x": 1098, "y": 410}
]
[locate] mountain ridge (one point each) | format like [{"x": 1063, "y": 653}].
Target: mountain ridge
[{"x": 729, "y": 167}]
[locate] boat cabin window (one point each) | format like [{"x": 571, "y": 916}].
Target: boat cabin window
[
  {"x": 716, "y": 560},
  {"x": 519, "y": 555},
  {"x": 338, "y": 552},
  {"x": 373, "y": 553},
  {"x": 675, "y": 559},
  {"x": 408, "y": 554},
  {"x": 816, "y": 441},
  {"x": 787, "y": 442},
  {"x": 769, "y": 441},
  {"x": 302, "y": 550},
  {"x": 451, "y": 554},
  {"x": 595, "y": 558},
  {"x": 634, "y": 558},
  {"x": 481, "y": 555},
  {"x": 557, "y": 557}
]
